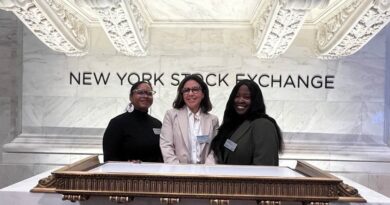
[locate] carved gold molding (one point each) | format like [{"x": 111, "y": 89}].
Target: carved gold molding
[
  {"x": 351, "y": 27},
  {"x": 75, "y": 197},
  {"x": 278, "y": 23},
  {"x": 169, "y": 201},
  {"x": 121, "y": 199},
  {"x": 219, "y": 202},
  {"x": 52, "y": 23},
  {"x": 124, "y": 24},
  {"x": 317, "y": 187}
]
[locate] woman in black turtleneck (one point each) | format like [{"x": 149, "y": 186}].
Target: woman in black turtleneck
[{"x": 134, "y": 135}]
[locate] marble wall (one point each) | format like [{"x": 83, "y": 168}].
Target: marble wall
[
  {"x": 350, "y": 109},
  {"x": 10, "y": 92}
]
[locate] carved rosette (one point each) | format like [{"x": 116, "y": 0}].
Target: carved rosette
[
  {"x": 124, "y": 25},
  {"x": 53, "y": 24},
  {"x": 351, "y": 28},
  {"x": 278, "y": 24}
]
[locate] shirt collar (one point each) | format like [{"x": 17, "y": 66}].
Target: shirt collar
[{"x": 189, "y": 113}]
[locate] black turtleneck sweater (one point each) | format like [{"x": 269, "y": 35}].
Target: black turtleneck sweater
[{"x": 132, "y": 136}]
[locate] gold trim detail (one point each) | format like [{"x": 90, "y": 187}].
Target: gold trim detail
[
  {"x": 46, "y": 184},
  {"x": 169, "y": 201},
  {"x": 74, "y": 197},
  {"x": 315, "y": 187},
  {"x": 219, "y": 202},
  {"x": 268, "y": 202},
  {"x": 121, "y": 199}
]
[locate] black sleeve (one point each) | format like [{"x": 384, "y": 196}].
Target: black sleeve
[{"x": 112, "y": 141}]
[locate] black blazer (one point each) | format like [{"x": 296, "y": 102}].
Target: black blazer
[{"x": 257, "y": 144}]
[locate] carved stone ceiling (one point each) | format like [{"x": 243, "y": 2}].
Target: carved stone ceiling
[{"x": 342, "y": 27}]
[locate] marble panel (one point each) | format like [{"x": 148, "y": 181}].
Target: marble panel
[
  {"x": 226, "y": 42},
  {"x": 183, "y": 11},
  {"x": 11, "y": 173},
  {"x": 373, "y": 119},
  {"x": 202, "y": 64},
  {"x": 369, "y": 167},
  {"x": 323, "y": 117},
  {"x": 63, "y": 134},
  {"x": 81, "y": 112},
  {"x": 238, "y": 42},
  {"x": 357, "y": 80},
  {"x": 6, "y": 77},
  {"x": 171, "y": 41},
  {"x": 303, "y": 45},
  {"x": 5, "y": 115},
  {"x": 212, "y": 41},
  {"x": 275, "y": 110},
  {"x": 33, "y": 46},
  {"x": 380, "y": 183},
  {"x": 46, "y": 75},
  {"x": 99, "y": 44},
  {"x": 41, "y": 158},
  {"x": 39, "y": 168},
  {"x": 33, "y": 110},
  {"x": 5, "y": 121},
  {"x": 8, "y": 32},
  {"x": 333, "y": 138}
]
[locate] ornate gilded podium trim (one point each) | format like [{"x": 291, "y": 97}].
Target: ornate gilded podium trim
[{"x": 317, "y": 187}]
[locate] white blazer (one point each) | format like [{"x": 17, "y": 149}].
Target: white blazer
[{"x": 174, "y": 139}]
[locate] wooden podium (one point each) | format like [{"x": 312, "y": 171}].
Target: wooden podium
[{"x": 123, "y": 181}]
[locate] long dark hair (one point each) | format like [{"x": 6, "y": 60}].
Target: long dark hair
[
  {"x": 231, "y": 119},
  {"x": 205, "y": 104}
]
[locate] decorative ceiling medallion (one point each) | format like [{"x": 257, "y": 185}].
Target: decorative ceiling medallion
[
  {"x": 124, "y": 24},
  {"x": 55, "y": 26},
  {"x": 278, "y": 24},
  {"x": 351, "y": 27}
]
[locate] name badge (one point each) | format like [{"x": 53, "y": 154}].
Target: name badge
[
  {"x": 230, "y": 145},
  {"x": 157, "y": 131},
  {"x": 202, "y": 138}
]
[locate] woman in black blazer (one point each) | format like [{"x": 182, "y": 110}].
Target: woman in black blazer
[{"x": 247, "y": 136}]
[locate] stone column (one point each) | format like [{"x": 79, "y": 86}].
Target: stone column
[{"x": 387, "y": 90}]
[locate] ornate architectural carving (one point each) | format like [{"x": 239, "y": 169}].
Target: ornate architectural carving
[
  {"x": 351, "y": 27},
  {"x": 278, "y": 24},
  {"x": 124, "y": 25},
  {"x": 54, "y": 25},
  {"x": 169, "y": 201},
  {"x": 74, "y": 197},
  {"x": 121, "y": 199},
  {"x": 219, "y": 202},
  {"x": 46, "y": 184}
]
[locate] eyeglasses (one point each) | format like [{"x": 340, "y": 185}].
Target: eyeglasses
[
  {"x": 194, "y": 90},
  {"x": 148, "y": 93}
]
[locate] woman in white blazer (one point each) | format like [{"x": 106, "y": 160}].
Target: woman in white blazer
[{"x": 188, "y": 128}]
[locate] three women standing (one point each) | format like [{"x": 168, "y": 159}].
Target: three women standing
[{"x": 247, "y": 136}]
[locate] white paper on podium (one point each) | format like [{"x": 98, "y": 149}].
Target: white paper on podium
[{"x": 196, "y": 170}]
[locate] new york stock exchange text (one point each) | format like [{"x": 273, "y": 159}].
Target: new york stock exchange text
[{"x": 212, "y": 79}]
